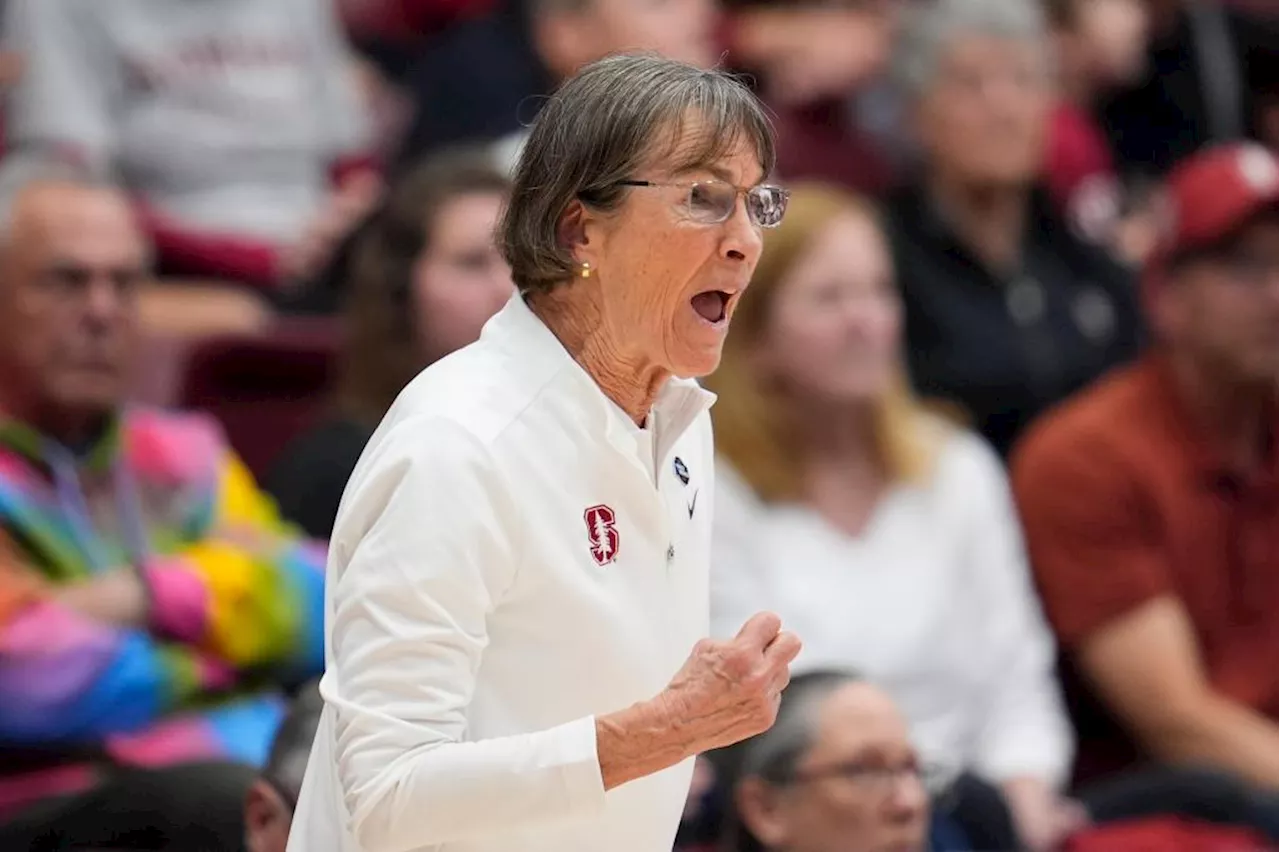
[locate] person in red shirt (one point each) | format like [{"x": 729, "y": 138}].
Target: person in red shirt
[{"x": 1150, "y": 500}]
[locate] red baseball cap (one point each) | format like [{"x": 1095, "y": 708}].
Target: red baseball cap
[{"x": 1214, "y": 193}]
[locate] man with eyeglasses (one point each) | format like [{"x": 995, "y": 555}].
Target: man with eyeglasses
[
  {"x": 269, "y": 806},
  {"x": 1150, "y": 500},
  {"x": 153, "y": 607}
]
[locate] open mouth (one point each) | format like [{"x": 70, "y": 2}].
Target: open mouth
[{"x": 712, "y": 306}]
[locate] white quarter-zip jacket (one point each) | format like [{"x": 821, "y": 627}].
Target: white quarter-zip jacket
[{"x": 512, "y": 557}]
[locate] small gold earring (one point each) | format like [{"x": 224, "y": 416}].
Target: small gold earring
[{"x": 586, "y": 269}]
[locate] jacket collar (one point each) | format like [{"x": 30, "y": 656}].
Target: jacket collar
[
  {"x": 538, "y": 353},
  {"x": 98, "y": 456}
]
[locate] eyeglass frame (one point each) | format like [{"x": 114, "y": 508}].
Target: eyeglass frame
[
  {"x": 739, "y": 192},
  {"x": 931, "y": 776}
]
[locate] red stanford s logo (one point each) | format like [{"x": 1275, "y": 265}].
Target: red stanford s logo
[{"x": 602, "y": 533}]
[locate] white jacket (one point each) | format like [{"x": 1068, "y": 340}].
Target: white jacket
[{"x": 512, "y": 556}]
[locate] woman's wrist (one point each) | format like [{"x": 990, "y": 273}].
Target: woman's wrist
[{"x": 642, "y": 739}]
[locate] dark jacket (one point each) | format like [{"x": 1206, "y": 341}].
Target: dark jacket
[{"x": 1005, "y": 347}]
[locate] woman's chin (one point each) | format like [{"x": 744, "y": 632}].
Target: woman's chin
[{"x": 696, "y": 362}]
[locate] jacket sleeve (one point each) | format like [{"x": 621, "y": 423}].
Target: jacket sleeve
[
  {"x": 65, "y": 679},
  {"x": 425, "y": 548},
  {"x": 250, "y": 590}
]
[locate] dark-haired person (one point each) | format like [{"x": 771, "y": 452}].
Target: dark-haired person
[
  {"x": 484, "y": 79},
  {"x": 520, "y": 562},
  {"x": 273, "y": 795},
  {"x": 425, "y": 276}
]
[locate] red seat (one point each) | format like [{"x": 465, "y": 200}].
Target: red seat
[{"x": 266, "y": 388}]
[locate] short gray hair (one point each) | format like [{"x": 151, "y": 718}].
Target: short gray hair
[
  {"x": 24, "y": 169},
  {"x": 774, "y": 754},
  {"x": 598, "y": 129},
  {"x": 932, "y": 26}
]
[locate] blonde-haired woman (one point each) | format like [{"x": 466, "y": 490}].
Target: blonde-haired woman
[{"x": 883, "y": 535}]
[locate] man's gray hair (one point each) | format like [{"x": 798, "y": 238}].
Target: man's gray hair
[
  {"x": 600, "y": 128},
  {"x": 24, "y": 170},
  {"x": 931, "y": 27}
]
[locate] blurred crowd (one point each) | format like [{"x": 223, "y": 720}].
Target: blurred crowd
[{"x": 996, "y": 420}]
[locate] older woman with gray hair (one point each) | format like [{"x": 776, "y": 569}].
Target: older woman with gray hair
[
  {"x": 836, "y": 773},
  {"x": 519, "y": 566},
  {"x": 1007, "y": 312}
]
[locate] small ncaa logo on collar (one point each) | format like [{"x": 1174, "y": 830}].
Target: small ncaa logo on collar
[{"x": 682, "y": 472}]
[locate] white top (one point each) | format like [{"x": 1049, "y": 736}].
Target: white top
[
  {"x": 933, "y": 601},
  {"x": 505, "y": 566},
  {"x": 225, "y": 115}
]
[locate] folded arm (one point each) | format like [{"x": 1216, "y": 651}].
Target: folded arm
[
  {"x": 250, "y": 591},
  {"x": 66, "y": 678}
]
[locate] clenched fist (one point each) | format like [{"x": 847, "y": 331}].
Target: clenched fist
[
  {"x": 728, "y": 691},
  {"x": 724, "y": 693}
]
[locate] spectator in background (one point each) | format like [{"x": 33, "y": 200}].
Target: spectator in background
[
  {"x": 484, "y": 81},
  {"x": 269, "y": 806},
  {"x": 1101, "y": 45},
  {"x": 1211, "y": 77},
  {"x": 836, "y": 773},
  {"x": 1006, "y": 311},
  {"x": 391, "y": 31},
  {"x": 234, "y": 125},
  {"x": 812, "y": 61},
  {"x": 151, "y": 602},
  {"x": 1150, "y": 500},
  {"x": 425, "y": 276},
  {"x": 885, "y": 536}
]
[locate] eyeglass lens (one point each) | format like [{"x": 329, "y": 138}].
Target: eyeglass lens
[{"x": 713, "y": 202}]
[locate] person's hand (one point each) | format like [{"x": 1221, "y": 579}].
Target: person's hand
[
  {"x": 116, "y": 597},
  {"x": 729, "y": 691},
  {"x": 1043, "y": 819},
  {"x": 343, "y": 210}
]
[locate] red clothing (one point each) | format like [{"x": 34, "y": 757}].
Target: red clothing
[
  {"x": 1080, "y": 173},
  {"x": 817, "y": 143},
  {"x": 407, "y": 20},
  {"x": 1123, "y": 499},
  {"x": 1162, "y": 834}
]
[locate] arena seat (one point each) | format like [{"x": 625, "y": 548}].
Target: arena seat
[{"x": 264, "y": 388}]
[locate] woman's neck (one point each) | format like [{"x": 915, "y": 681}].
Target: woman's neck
[
  {"x": 842, "y": 472},
  {"x": 573, "y": 313},
  {"x": 990, "y": 220}
]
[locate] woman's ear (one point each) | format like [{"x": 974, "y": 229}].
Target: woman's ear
[
  {"x": 571, "y": 232},
  {"x": 760, "y": 811},
  {"x": 266, "y": 817}
]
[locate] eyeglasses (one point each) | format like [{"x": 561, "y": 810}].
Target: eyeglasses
[
  {"x": 875, "y": 779},
  {"x": 712, "y": 201}
]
